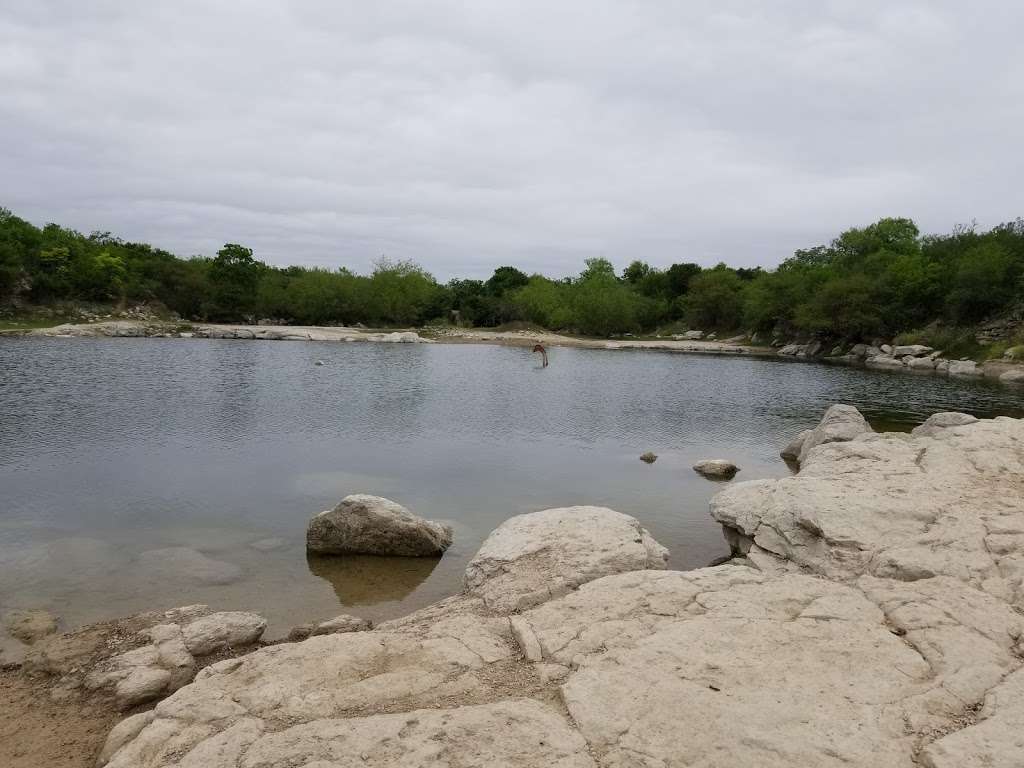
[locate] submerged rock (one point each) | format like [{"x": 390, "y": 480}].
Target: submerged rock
[
  {"x": 372, "y": 525},
  {"x": 30, "y": 626},
  {"x": 186, "y": 564}
]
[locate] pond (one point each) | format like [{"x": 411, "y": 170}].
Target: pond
[{"x": 141, "y": 474}]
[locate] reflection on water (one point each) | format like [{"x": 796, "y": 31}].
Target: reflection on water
[
  {"x": 367, "y": 580},
  {"x": 112, "y": 450}
]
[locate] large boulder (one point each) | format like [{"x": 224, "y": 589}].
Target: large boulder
[
  {"x": 531, "y": 558},
  {"x": 839, "y": 424},
  {"x": 371, "y": 525}
]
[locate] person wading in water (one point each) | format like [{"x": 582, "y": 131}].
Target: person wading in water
[{"x": 543, "y": 355}]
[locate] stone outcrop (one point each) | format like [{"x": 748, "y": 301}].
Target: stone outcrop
[
  {"x": 372, "y": 525},
  {"x": 167, "y": 660},
  {"x": 792, "y": 450},
  {"x": 839, "y": 424},
  {"x": 531, "y": 558},
  {"x": 873, "y": 618}
]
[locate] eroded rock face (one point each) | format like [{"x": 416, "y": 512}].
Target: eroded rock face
[
  {"x": 792, "y": 450},
  {"x": 531, "y": 558},
  {"x": 168, "y": 660},
  {"x": 371, "y": 525},
  {"x": 839, "y": 424},
  {"x": 874, "y": 621},
  {"x": 946, "y": 501}
]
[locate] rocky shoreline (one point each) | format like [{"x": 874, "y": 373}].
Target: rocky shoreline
[
  {"x": 909, "y": 358},
  {"x": 873, "y": 615}
]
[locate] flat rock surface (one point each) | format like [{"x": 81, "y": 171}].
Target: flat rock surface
[{"x": 875, "y": 620}]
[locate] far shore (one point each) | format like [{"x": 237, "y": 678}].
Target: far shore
[{"x": 990, "y": 369}]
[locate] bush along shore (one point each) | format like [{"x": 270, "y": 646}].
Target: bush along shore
[
  {"x": 961, "y": 292},
  {"x": 872, "y": 615}
]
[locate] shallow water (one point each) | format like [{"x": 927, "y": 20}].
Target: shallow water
[{"x": 110, "y": 449}]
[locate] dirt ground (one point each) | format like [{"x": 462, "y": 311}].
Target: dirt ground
[{"x": 38, "y": 732}]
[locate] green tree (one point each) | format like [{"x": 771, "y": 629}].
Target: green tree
[
  {"x": 401, "y": 292},
  {"x": 715, "y": 299},
  {"x": 505, "y": 279},
  {"x": 234, "y": 277}
]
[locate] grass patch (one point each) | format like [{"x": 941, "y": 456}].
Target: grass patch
[{"x": 29, "y": 323}]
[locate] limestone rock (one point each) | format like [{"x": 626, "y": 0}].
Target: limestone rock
[
  {"x": 840, "y": 423},
  {"x": 792, "y": 450},
  {"x": 342, "y": 623},
  {"x": 914, "y": 350},
  {"x": 884, "y": 361},
  {"x": 1012, "y": 377},
  {"x": 29, "y": 626},
  {"x": 920, "y": 363},
  {"x": 935, "y": 503},
  {"x": 716, "y": 468},
  {"x": 937, "y": 422},
  {"x": 996, "y": 741},
  {"x": 533, "y": 557},
  {"x": 964, "y": 368},
  {"x": 363, "y": 524},
  {"x": 227, "y": 629},
  {"x": 122, "y": 733}
]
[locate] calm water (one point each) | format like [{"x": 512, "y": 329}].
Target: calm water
[{"x": 111, "y": 449}]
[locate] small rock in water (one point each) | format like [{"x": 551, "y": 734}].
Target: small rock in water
[
  {"x": 319, "y": 362},
  {"x": 30, "y": 626},
  {"x": 716, "y": 468},
  {"x": 648, "y": 458}
]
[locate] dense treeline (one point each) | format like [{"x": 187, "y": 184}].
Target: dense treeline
[{"x": 871, "y": 281}]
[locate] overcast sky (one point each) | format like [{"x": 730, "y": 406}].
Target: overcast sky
[{"x": 465, "y": 135}]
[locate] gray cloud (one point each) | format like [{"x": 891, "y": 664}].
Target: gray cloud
[{"x": 467, "y": 135}]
